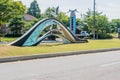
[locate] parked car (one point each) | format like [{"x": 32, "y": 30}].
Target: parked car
[{"x": 84, "y": 34}]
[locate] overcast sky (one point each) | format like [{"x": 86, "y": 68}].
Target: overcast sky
[{"x": 110, "y": 8}]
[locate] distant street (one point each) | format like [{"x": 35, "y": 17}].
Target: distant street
[{"x": 97, "y": 66}]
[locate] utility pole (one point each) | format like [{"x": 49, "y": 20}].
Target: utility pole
[
  {"x": 119, "y": 32},
  {"x": 94, "y": 9}
]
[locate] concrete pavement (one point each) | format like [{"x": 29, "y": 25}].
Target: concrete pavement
[{"x": 100, "y": 66}]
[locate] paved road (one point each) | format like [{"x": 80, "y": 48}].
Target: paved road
[{"x": 100, "y": 66}]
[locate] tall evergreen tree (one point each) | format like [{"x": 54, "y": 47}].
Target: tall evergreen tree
[{"x": 34, "y": 9}]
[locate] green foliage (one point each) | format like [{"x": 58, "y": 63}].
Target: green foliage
[
  {"x": 51, "y": 12},
  {"x": 114, "y": 25},
  {"x": 63, "y": 18},
  {"x": 28, "y": 25},
  {"x": 16, "y": 25},
  {"x": 101, "y": 22},
  {"x": 78, "y": 22},
  {"x": 8, "y": 39},
  {"x": 102, "y": 36},
  {"x": 105, "y": 36},
  {"x": 9, "y": 9},
  {"x": 102, "y": 26},
  {"x": 95, "y": 25},
  {"x": 34, "y": 9},
  {"x": 18, "y": 8},
  {"x": 48, "y": 12},
  {"x": 116, "y": 22}
]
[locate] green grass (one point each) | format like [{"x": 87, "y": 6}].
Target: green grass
[
  {"x": 49, "y": 48},
  {"x": 6, "y": 39}
]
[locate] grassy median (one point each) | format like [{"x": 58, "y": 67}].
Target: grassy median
[{"x": 49, "y": 48}]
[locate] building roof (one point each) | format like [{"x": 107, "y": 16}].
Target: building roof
[{"x": 28, "y": 17}]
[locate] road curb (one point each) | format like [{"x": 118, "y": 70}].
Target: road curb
[{"x": 20, "y": 58}]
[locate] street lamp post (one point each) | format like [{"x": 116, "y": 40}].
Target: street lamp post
[{"x": 94, "y": 8}]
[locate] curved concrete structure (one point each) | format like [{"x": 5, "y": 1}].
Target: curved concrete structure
[{"x": 35, "y": 35}]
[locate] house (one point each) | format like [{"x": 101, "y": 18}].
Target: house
[{"x": 28, "y": 17}]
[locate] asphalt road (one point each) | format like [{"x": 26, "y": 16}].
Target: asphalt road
[{"x": 99, "y": 66}]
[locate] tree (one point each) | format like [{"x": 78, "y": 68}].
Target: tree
[
  {"x": 28, "y": 25},
  {"x": 111, "y": 27},
  {"x": 63, "y": 18},
  {"x": 115, "y": 24},
  {"x": 34, "y": 9},
  {"x": 51, "y": 12},
  {"x": 48, "y": 12},
  {"x": 100, "y": 25},
  {"x": 60, "y": 15},
  {"x": 9, "y": 9},
  {"x": 16, "y": 25},
  {"x": 96, "y": 24},
  {"x": 78, "y": 22}
]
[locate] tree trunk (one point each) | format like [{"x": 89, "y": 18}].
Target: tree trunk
[{"x": 94, "y": 34}]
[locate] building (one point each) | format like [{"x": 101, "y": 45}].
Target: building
[{"x": 28, "y": 17}]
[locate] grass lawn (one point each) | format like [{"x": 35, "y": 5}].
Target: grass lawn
[
  {"x": 49, "y": 48},
  {"x": 6, "y": 39}
]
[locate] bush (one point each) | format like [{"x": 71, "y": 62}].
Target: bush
[
  {"x": 105, "y": 36},
  {"x": 52, "y": 37},
  {"x": 102, "y": 36},
  {"x": 1, "y": 35},
  {"x": 13, "y": 35}
]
